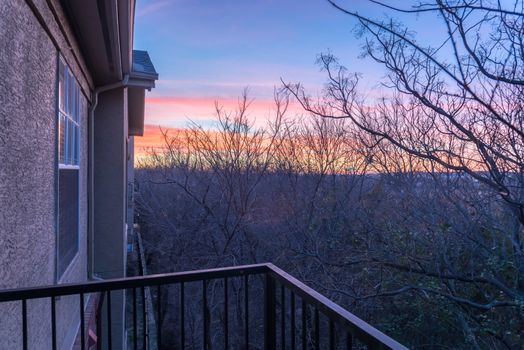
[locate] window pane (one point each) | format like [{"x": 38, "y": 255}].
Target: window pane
[
  {"x": 64, "y": 148},
  {"x": 73, "y": 143},
  {"x": 70, "y": 142},
  {"x": 61, "y": 85},
  {"x": 61, "y": 139},
  {"x": 67, "y": 218},
  {"x": 70, "y": 93},
  {"x": 77, "y": 104},
  {"x": 77, "y": 145}
]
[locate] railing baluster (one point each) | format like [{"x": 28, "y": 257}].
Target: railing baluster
[
  {"x": 182, "y": 321},
  {"x": 269, "y": 314},
  {"x": 135, "y": 330},
  {"x": 144, "y": 319},
  {"x": 283, "y": 316},
  {"x": 317, "y": 329},
  {"x": 246, "y": 312},
  {"x": 159, "y": 313},
  {"x": 82, "y": 323},
  {"x": 205, "y": 313},
  {"x": 109, "y": 335},
  {"x": 331, "y": 334},
  {"x": 226, "y": 316},
  {"x": 53, "y": 322},
  {"x": 293, "y": 329},
  {"x": 304, "y": 325},
  {"x": 24, "y": 323},
  {"x": 349, "y": 341}
]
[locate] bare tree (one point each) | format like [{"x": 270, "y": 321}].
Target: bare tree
[{"x": 455, "y": 114}]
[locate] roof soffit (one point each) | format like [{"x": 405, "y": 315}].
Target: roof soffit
[{"x": 104, "y": 30}]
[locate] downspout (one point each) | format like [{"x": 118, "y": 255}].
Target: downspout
[{"x": 91, "y": 182}]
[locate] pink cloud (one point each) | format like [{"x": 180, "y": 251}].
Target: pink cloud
[
  {"x": 176, "y": 111},
  {"x": 205, "y": 102}
]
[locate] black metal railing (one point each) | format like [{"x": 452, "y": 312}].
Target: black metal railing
[{"x": 293, "y": 316}]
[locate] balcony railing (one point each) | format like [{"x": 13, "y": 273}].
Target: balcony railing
[{"x": 292, "y": 315}]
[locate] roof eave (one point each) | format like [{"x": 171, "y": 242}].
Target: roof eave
[{"x": 104, "y": 35}]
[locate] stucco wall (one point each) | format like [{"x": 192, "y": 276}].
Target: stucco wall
[
  {"x": 28, "y": 173},
  {"x": 27, "y": 163}
]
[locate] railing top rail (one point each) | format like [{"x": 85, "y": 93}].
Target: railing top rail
[
  {"x": 130, "y": 282},
  {"x": 360, "y": 329}
]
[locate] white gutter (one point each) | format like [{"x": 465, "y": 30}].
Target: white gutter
[{"x": 90, "y": 174}]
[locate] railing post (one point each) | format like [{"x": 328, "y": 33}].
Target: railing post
[{"x": 269, "y": 314}]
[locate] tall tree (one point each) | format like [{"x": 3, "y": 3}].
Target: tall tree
[{"x": 458, "y": 107}]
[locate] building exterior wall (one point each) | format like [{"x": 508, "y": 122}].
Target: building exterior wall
[
  {"x": 27, "y": 163},
  {"x": 110, "y": 205},
  {"x": 31, "y": 43},
  {"x": 110, "y": 199}
]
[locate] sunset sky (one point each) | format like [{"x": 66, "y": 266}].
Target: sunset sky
[{"x": 207, "y": 51}]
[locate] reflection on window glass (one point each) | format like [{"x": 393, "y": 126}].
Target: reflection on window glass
[
  {"x": 70, "y": 93},
  {"x": 70, "y": 142},
  {"x": 77, "y": 146},
  {"x": 77, "y": 103},
  {"x": 61, "y": 138},
  {"x": 61, "y": 86}
]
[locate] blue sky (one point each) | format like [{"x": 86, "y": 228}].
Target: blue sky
[{"x": 207, "y": 50}]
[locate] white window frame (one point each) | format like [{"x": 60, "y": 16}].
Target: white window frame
[{"x": 71, "y": 117}]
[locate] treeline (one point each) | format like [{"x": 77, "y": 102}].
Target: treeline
[{"x": 421, "y": 252}]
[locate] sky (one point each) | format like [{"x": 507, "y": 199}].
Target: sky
[{"x": 210, "y": 50}]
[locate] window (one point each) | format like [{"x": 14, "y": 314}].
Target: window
[{"x": 69, "y": 109}]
